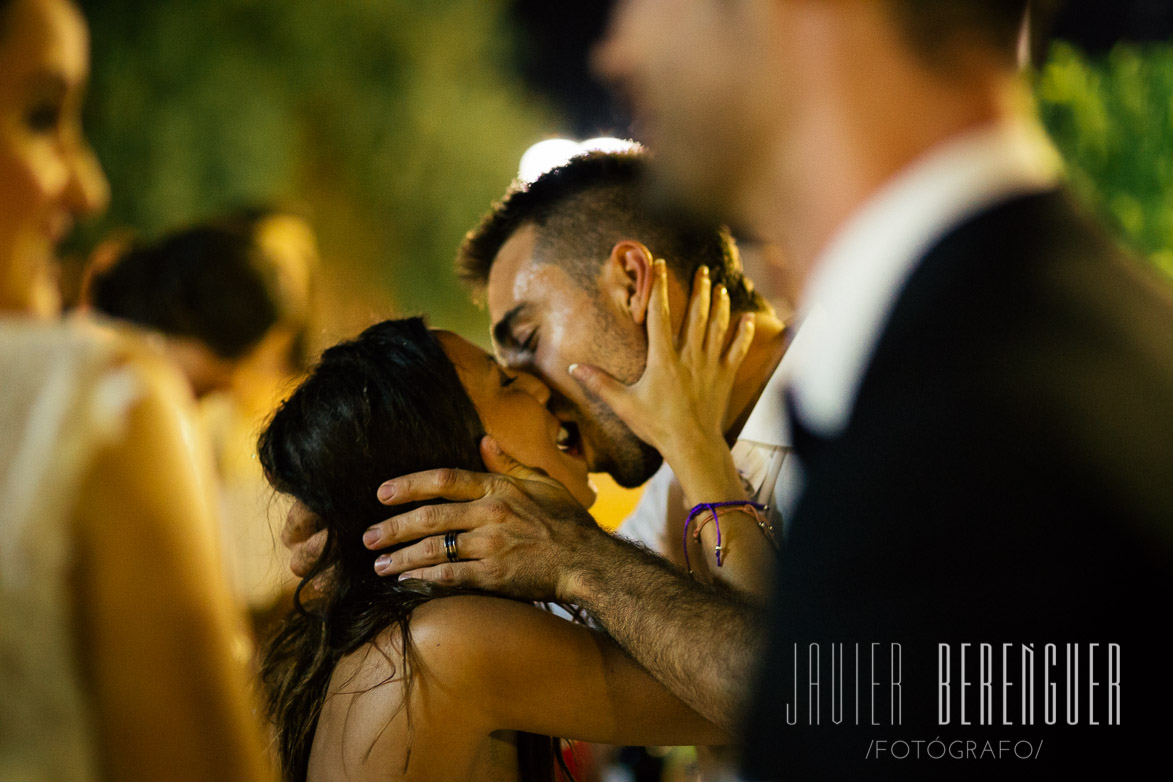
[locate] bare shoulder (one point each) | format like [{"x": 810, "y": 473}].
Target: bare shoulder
[
  {"x": 445, "y": 635},
  {"x": 493, "y": 646},
  {"x": 453, "y": 627},
  {"x": 153, "y": 480},
  {"x": 377, "y": 662},
  {"x": 392, "y": 714}
]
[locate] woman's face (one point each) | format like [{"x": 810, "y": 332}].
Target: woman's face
[
  {"x": 512, "y": 406},
  {"x": 48, "y": 174}
]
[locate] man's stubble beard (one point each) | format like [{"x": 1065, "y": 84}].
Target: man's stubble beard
[{"x": 626, "y": 458}]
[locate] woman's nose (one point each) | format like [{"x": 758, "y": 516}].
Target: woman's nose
[
  {"x": 534, "y": 386},
  {"x": 88, "y": 191}
]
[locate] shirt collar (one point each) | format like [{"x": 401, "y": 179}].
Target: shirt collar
[
  {"x": 859, "y": 275},
  {"x": 767, "y": 423}
]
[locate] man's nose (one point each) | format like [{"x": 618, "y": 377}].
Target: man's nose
[
  {"x": 610, "y": 56},
  {"x": 517, "y": 361},
  {"x": 559, "y": 405}
]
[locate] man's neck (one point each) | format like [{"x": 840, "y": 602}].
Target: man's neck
[
  {"x": 769, "y": 345},
  {"x": 863, "y": 134}
]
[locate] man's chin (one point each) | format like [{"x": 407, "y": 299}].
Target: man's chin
[{"x": 632, "y": 470}]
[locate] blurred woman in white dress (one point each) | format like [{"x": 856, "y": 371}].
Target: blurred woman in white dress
[{"x": 115, "y": 630}]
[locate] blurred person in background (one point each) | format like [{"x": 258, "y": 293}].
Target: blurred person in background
[
  {"x": 287, "y": 239},
  {"x": 115, "y": 630},
  {"x": 228, "y": 301},
  {"x": 289, "y": 246},
  {"x": 209, "y": 294}
]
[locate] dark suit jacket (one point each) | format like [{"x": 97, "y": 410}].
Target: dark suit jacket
[{"x": 1006, "y": 476}]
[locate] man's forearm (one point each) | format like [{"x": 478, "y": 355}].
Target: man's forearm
[{"x": 701, "y": 642}]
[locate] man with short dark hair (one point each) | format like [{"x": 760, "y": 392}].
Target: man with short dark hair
[
  {"x": 573, "y": 234},
  {"x": 563, "y": 263}
]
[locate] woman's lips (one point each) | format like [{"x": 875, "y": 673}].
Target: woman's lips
[
  {"x": 568, "y": 439},
  {"x": 59, "y": 228}
]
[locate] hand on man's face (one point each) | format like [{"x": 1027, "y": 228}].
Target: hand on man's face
[{"x": 544, "y": 320}]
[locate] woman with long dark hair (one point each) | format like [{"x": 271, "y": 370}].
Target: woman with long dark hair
[{"x": 374, "y": 678}]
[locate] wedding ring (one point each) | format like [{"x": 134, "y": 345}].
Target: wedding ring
[{"x": 450, "y": 546}]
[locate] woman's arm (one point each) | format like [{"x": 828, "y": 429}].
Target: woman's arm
[
  {"x": 515, "y": 667},
  {"x": 156, "y": 623}
]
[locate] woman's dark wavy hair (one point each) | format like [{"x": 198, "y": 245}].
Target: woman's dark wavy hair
[{"x": 385, "y": 404}]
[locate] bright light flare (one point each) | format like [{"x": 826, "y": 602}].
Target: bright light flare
[{"x": 553, "y": 152}]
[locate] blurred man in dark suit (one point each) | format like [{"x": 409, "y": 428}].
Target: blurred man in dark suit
[{"x": 983, "y": 407}]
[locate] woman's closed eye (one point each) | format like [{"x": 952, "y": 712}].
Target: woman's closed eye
[{"x": 44, "y": 118}]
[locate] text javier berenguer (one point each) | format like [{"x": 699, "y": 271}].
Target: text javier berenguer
[{"x": 976, "y": 684}]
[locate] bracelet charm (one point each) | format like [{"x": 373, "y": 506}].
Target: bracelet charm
[{"x": 757, "y": 509}]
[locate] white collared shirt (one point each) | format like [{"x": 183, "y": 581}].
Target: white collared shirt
[{"x": 857, "y": 279}]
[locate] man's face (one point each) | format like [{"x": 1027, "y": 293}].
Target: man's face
[
  {"x": 701, "y": 94},
  {"x": 544, "y": 321}
]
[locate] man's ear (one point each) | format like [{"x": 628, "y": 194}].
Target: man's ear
[{"x": 628, "y": 276}]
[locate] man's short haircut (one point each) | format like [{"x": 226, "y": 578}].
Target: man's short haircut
[
  {"x": 583, "y": 208},
  {"x": 932, "y": 27}
]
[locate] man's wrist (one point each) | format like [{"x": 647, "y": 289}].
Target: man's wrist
[{"x": 585, "y": 576}]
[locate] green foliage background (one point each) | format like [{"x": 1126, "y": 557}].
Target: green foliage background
[
  {"x": 1112, "y": 119},
  {"x": 395, "y": 123}
]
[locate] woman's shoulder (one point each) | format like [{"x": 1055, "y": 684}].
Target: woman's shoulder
[
  {"x": 85, "y": 352},
  {"x": 474, "y": 620},
  {"x": 136, "y": 351},
  {"x": 152, "y": 476},
  {"x": 478, "y": 638},
  {"x": 447, "y": 640},
  {"x": 441, "y": 629},
  {"x": 72, "y": 395}
]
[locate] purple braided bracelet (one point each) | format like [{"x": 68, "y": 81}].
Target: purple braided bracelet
[{"x": 711, "y": 507}]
